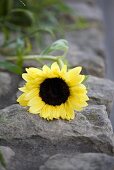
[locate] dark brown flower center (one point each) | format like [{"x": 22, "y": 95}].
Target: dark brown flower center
[{"x": 54, "y": 91}]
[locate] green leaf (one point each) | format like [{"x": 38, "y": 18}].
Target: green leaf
[
  {"x": 20, "y": 51},
  {"x": 10, "y": 67},
  {"x": 5, "y": 7},
  {"x": 61, "y": 45},
  {"x": 46, "y": 29},
  {"x": 2, "y": 161},
  {"x": 21, "y": 17}
]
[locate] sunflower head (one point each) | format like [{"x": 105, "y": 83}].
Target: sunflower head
[{"x": 53, "y": 92}]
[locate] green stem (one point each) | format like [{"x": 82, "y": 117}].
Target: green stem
[
  {"x": 60, "y": 62},
  {"x": 40, "y": 58},
  {"x": 34, "y": 57}
]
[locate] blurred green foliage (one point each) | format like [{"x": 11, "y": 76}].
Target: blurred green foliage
[
  {"x": 26, "y": 22},
  {"x": 2, "y": 161},
  {"x": 28, "y": 15}
]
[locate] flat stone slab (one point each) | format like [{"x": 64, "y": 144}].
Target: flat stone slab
[
  {"x": 34, "y": 139},
  {"x": 91, "y": 129},
  {"x": 86, "y": 161},
  {"x": 8, "y": 88},
  {"x": 101, "y": 92},
  {"x": 91, "y": 63}
]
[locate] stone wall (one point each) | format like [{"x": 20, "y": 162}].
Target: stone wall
[{"x": 85, "y": 143}]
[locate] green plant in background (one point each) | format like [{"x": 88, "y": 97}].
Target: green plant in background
[
  {"x": 34, "y": 15},
  {"x": 2, "y": 161},
  {"x": 15, "y": 63},
  {"x": 79, "y": 24},
  {"x": 26, "y": 22}
]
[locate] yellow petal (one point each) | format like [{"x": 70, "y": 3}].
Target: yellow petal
[
  {"x": 81, "y": 97},
  {"x": 55, "y": 112},
  {"x": 49, "y": 112},
  {"x": 36, "y": 101},
  {"x": 22, "y": 101},
  {"x": 35, "y": 105},
  {"x": 74, "y": 80},
  {"x": 47, "y": 72},
  {"x": 45, "y": 112},
  {"x": 34, "y": 83},
  {"x": 77, "y": 108},
  {"x": 63, "y": 72},
  {"x": 69, "y": 110},
  {"x": 33, "y": 71},
  {"x": 75, "y": 71},
  {"x": 73, "y": 77},
  {"x": 34, "y": 110},
  {"x": 55, "y": 68},
  {"x": 23, "y": 89},
  {"x": 62, "y": 111},
  {"x": 78, "y": 89},
  {"x": 26, "y": 77},
  {"x": 81, "y": 104},
  {"x": 64, "y": 69},
  {"x": 46, "y": 69},
  {"x": 32, "y": 93},
  {"x": 77, "y": 104}
]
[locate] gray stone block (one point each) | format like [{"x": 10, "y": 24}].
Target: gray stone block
[
  {"x": 101, "y": 92},
  {"x": 86, "y": 161},
  {"x": 91, "y": 129}
]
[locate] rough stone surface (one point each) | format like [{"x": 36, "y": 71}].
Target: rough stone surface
[
  {"x": 5, "y": 81},
  {"x": 34, "y": 139},
  {"x": 101, "y": 92},
  {"x": 86, "y": 9},
  {"x": 87, "y": 40},
  {"x": 8, "y": 88},
  {"x": 86, "y": 161},
  {"x": 91, "y": 63},
  {"x": 7, "y": 154},
  {"x": 90, "y": 126},
  {"x": 86, "y": 48}
]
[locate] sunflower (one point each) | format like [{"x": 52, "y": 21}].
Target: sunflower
[{"x": 53, "y": 92}]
